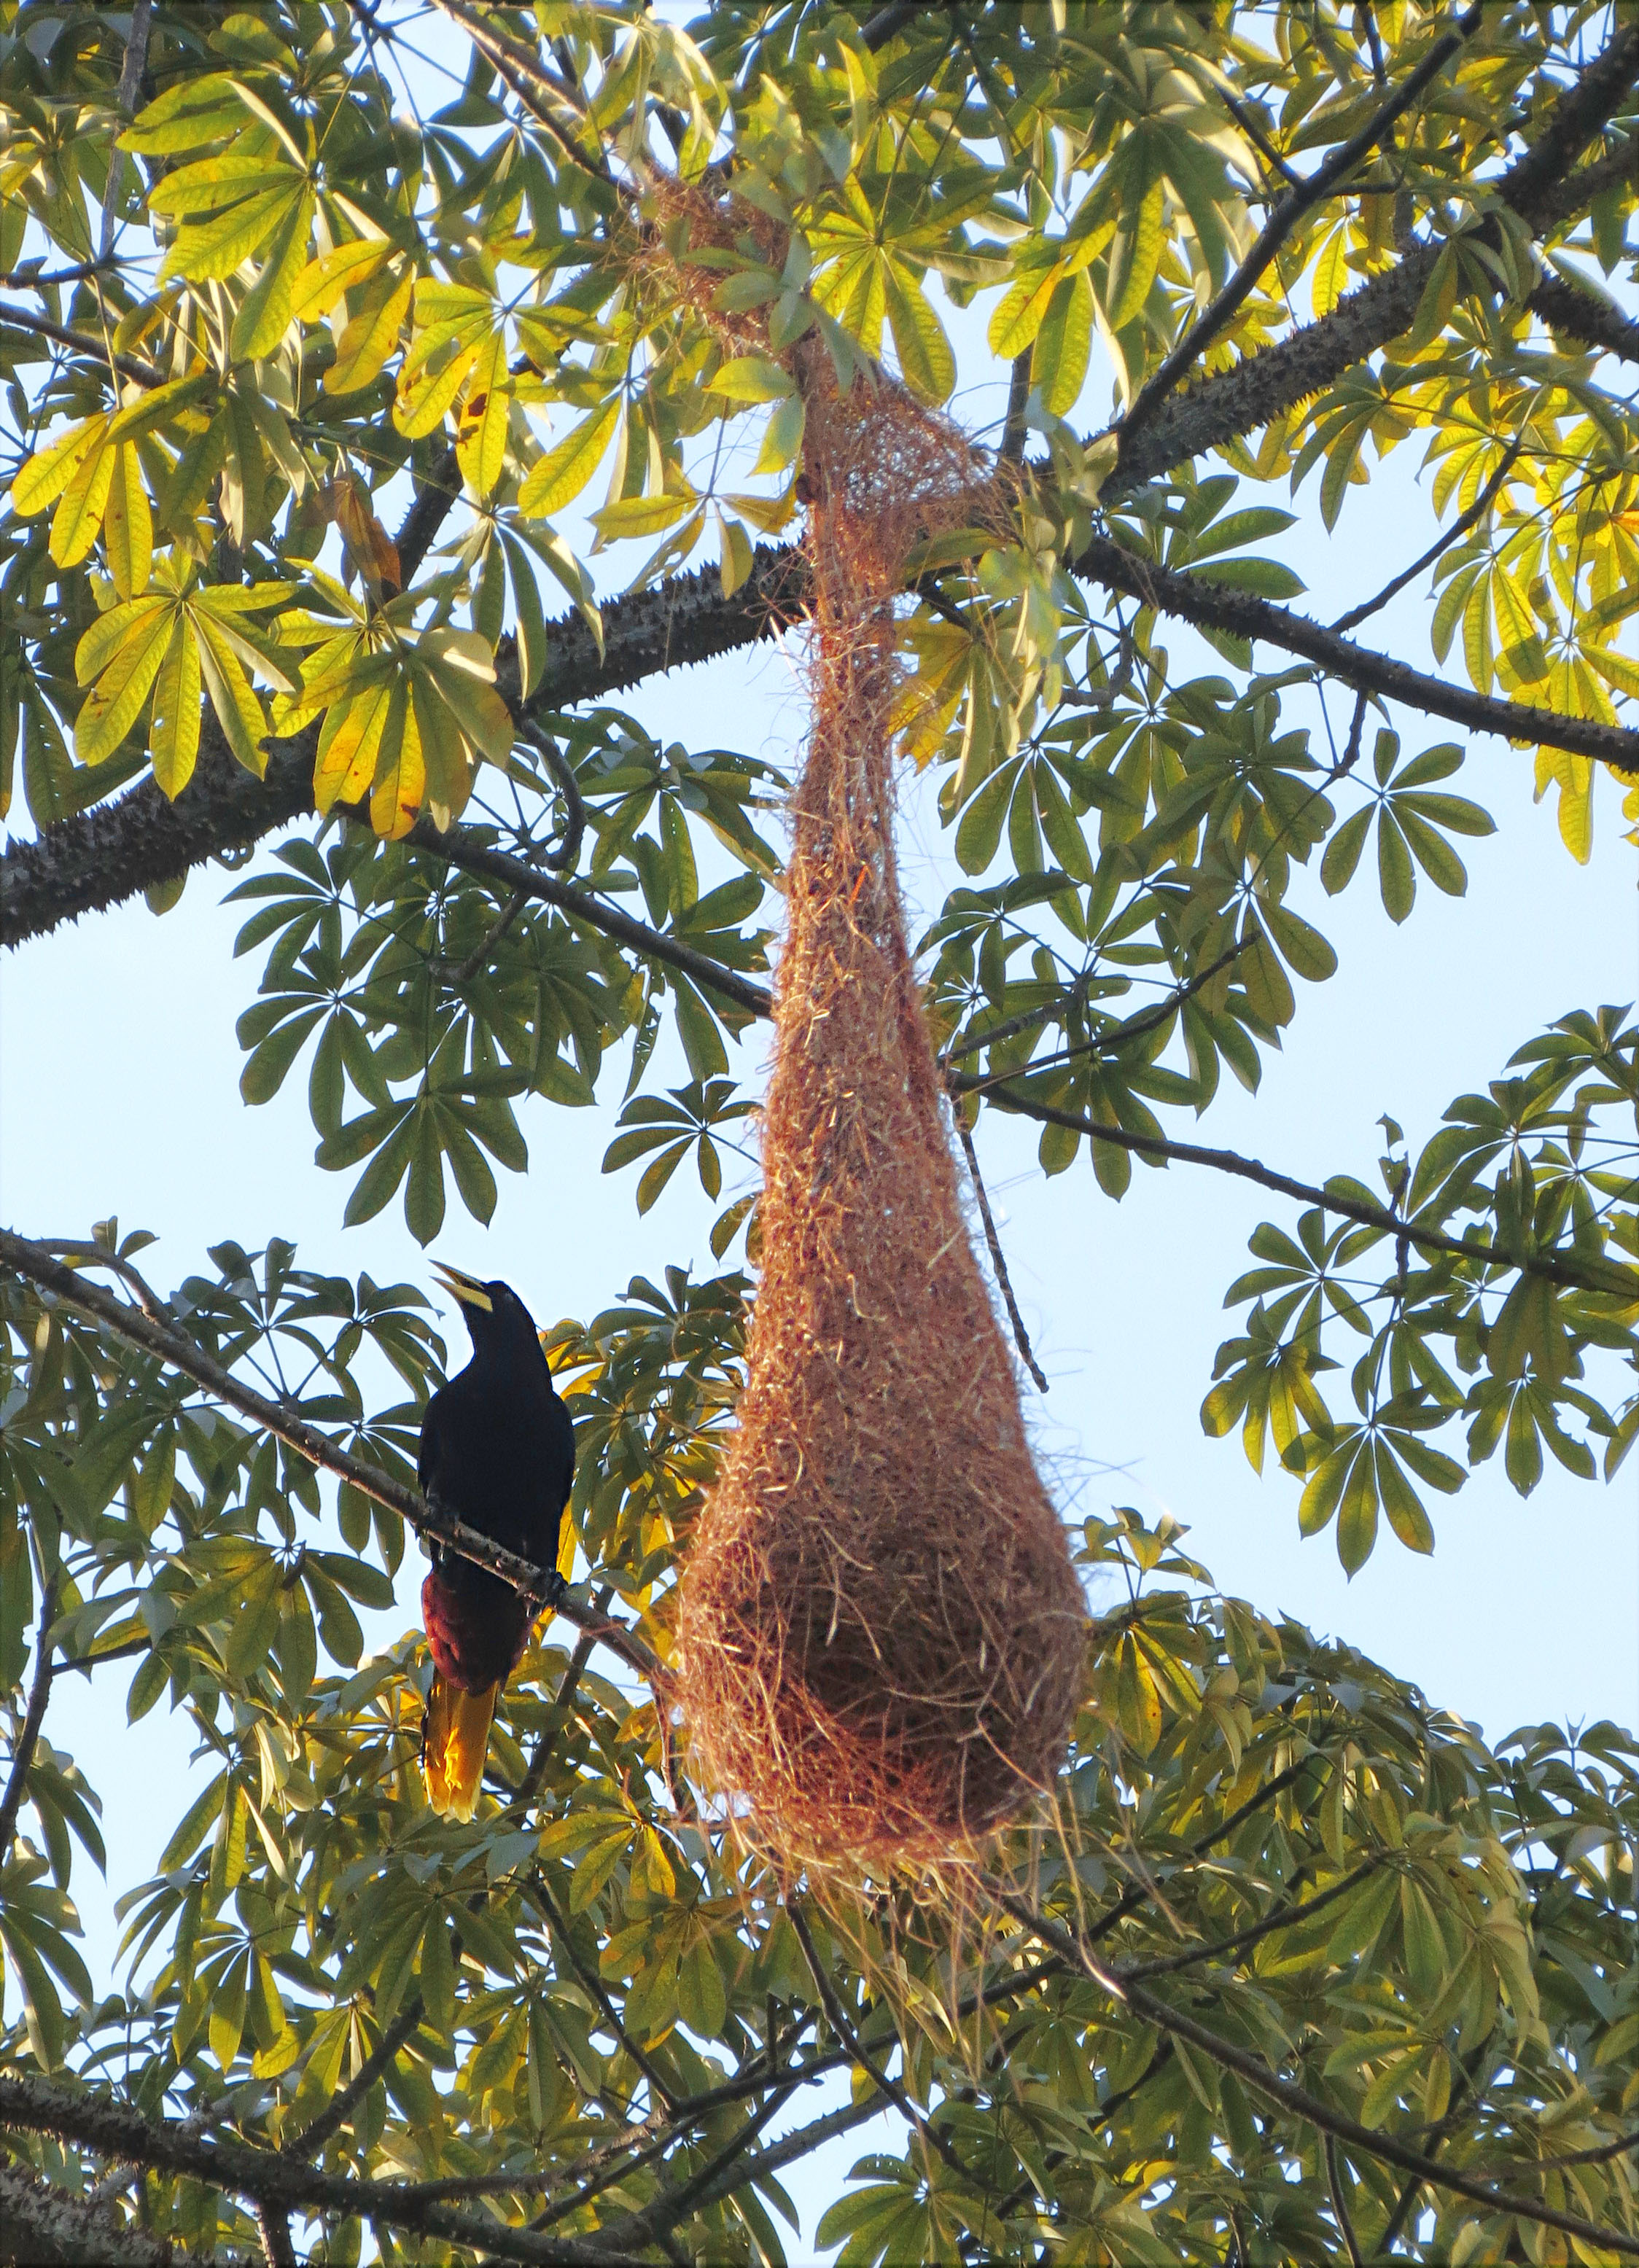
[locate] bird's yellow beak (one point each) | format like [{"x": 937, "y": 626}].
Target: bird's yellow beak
[{"x": 466, "y": 1289}]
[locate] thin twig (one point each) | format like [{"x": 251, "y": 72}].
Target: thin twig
[
  {"x": 1620, "y": 1279},
  {"x": 76, "y": 1248},
  {"x": 28, "y": 1736},
  {"x": 1340, "y": 2208},
  {"x": 1253, "y": 2072},
  {"x": 529, "y": 1786},
  {"x": 1004, "y": 1282},
  {"x": 1287, "y": 214},
  {"x": 563, "y": 858},
  {"x": 1107, "y": 1043},
  {"x": 330, "y": 2120},
  {"x": 130, "y": 80},
  {"x": 1285, "y": 1917},
  {"x": 836, "y": 2017},
  {"x": 132, "y": 366},
  {"x": 462, "y": 972},
  {"x": 1459, "y": 527},
  {"x": 473, "y": 857},
  {"x": 593, "y": 1984}
]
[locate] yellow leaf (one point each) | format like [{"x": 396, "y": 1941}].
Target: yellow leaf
[
  {"x": 78, "y": 515},
  {"x": 737, "y": 558},
  {"x": 127, "y": 525},
  {"x": 1018, "y": 317},
  {"x": 348, "y": 740},
  {"x": 422, "y": 400},
  {"x": 173, "y": 743},
  {"x": 1576, "y": 814},
  {"x": 481, "y": 434},
  {"x": 643, "y": 515},
  {"x": 323, "y": 281},
  {"x": 48, "y": 472},
  {"x": 925, "y": 362},
  {"x": 1330, "y": 273},
  {"x": 1063, "y": 345},
  {"x": 113, "y": 704},
  {"x": 400, "y": 777},
  {"x": 565, "y": 470},
  {"x": 752, "y": 378},
  {"x": 238, "y": 712},
  {"x": 371, "y": 336}
]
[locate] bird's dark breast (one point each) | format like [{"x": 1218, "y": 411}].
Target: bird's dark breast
[{"x": 477, "y": 1625}]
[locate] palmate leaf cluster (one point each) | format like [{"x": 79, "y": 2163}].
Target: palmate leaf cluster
[
  {"x": 1299, "y": 1852},
  {"x": 328, "y": 411}
]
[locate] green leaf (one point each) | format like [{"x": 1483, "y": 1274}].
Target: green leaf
[
  {"x": 751, "y": 378},
  {"x": 1395, "y": 877},
  {"x": 1063, "y": 346}
]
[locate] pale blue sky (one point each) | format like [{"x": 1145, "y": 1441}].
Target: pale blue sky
[{"x": 119, "y": 1094}]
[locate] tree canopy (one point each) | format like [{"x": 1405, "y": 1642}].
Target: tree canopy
[{"x": 1288, "y": 1964}]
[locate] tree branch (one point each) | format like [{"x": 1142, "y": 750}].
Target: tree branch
[
  {"x": 1194, "y": 598},
  {"x": 132, "y": 366},
  {"x": 341, "y": 2108},
  {"x": 1286, "y": 1916},
  {"x": 116, "y": 850},
  {"x": 28, "y": 1737},
  {"x": 538, "y": 1585},
  {"x": 889, "y": 2090},
  {"x": 458, "y": 849},
  {"x": 1251, "y": 2070},
  {"x": 1287, "y": 213},
  {"x": 1339, "y": 2206},
  {"x": 593, "y": 1984},
  {"x": 1578, "y": 314},
  {"x": 1620, "y": 1281},
  {"x": 269, "y": 2177},
  {"x": 49, "y": 2227},
  {"x": 1458, "y": 529}
]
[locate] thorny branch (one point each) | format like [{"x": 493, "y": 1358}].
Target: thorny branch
[
  {"x": 537, "y": 1584},
  {"x": 1289, "y": 211},
  {"x": 269, "y": 2178},
  {"x": 1193, "y": 599}
]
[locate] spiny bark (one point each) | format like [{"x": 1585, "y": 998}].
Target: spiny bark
[
  {"x": 102, "y": 857},
  {"x": 42, "y": 2227},
  {"x": 1211, "y": 606}
]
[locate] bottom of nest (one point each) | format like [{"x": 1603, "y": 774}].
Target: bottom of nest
[{"x": 829, "y": 1762}]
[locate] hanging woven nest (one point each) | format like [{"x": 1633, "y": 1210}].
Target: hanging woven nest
[{"x": 880, "y": 1633}]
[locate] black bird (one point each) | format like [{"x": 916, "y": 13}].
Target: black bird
[{"x": 497, "y": 1450}]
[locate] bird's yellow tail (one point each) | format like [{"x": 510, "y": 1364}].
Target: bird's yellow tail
[{"x": 454, "y": 1735}]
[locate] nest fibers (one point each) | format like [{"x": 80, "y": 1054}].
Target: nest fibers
[{"x": 880, "y": 1633}]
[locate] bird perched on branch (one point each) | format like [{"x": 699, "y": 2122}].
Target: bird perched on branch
[{"x": 497, "y": 1451}]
